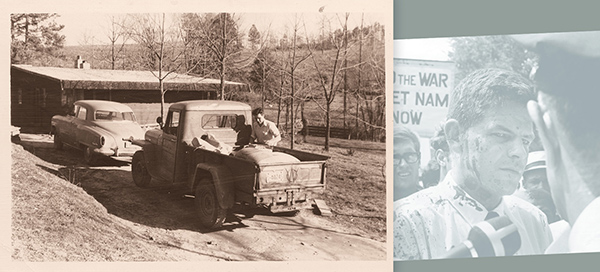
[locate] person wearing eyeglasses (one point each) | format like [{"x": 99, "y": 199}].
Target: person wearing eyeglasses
[
  {"x": 488, "y": 131},
  {"x": 406, "y": 163}
]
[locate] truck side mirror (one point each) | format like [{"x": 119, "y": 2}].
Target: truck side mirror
[{"x": 159, "y": 121}]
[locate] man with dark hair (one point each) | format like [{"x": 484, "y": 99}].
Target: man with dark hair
[
  {"x": 407, "y": 158},
  {"x": 439, "y": 165},
  {"x": 263, "y": 130},
  {"x": 488, "y": 133},
  {"x": 566, "y": 115}
]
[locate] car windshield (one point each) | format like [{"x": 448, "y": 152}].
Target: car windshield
[{"x": 114, "y": 116}]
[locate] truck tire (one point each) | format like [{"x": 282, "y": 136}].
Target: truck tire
[
  {"x": 89, "y": 157},
  {"x": 209, "y": 211},
  {"x": 58, "y": 144},
  {"x": 139, "y": 172}
]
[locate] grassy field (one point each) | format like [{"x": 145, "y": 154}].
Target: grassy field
[{"x": 355, "y": 183}]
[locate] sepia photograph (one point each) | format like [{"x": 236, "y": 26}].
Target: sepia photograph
[
  {"x": 496, "y": 149},
  {"x": 198, "y": 136}
]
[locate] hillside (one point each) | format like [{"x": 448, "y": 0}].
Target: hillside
[{"x": 55, "y": 220}]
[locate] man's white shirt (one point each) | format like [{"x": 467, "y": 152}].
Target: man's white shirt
[{"x": 430, "y": 222}]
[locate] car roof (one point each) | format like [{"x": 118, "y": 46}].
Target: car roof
[
  {"x": 103, "y": 105},
  {"x": 208, "y": 105}
]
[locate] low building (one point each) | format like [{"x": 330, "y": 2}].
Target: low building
[{"x": 38, "y": 93}]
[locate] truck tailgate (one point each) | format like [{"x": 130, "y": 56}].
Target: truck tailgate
[
  {"x": 286, "y": 187},
  {"x": 286, "y": 175}
]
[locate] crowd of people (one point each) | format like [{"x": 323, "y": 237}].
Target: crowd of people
[{"x": 485, "y": 166}]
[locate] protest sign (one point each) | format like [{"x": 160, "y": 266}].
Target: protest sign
[{"x": 421, "y": 94}]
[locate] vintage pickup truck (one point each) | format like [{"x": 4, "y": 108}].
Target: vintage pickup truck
[{"x": 204, "y": 145}]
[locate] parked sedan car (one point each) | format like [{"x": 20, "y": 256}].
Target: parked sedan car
[{"x": 99, "y": 128}]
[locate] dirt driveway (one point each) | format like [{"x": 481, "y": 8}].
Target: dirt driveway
[{"x": 164, "y": 214}]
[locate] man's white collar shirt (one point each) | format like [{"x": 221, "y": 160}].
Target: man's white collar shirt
[{"x": 430, "y": 222}]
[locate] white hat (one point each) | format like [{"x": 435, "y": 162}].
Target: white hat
[{"x": 536, "y": 160}]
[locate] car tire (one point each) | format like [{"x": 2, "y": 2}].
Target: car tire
[
  {"x": 210, "y": 213},
  {"x": 139, "y": 172},
  {"x": 89, "y": 157},
  {"x": 58, "y": 144}
]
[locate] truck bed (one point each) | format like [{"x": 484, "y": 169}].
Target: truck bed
[{"x": 277, "y": 184}]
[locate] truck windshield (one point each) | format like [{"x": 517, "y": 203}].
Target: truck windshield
[
  {"x": 114, "y": 116},
  {"x": 218, "y": 121}
]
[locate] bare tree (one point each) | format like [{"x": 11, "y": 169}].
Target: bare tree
[
  {"x": 118, "y": 36},
  {"x": 328, "y": 76},
  {"x": 215, "y": 35},
  {"x": 264, "y": 65},
  {"x": 345, "y": 69},
  {"x": 373, "y": 90},
  {"x": 162, "y": 48},
  {"x": 282, "y": 79},
  {"x": 359, "y": 70},
  {"x": 295, "y": 60}
]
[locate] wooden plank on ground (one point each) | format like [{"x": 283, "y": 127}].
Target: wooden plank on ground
[{"x": 322, "y": 208}]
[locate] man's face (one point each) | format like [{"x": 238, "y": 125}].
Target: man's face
[
  {"x": 406, "y": 174},
  {"x": 536, "y": 179},
  {"x": 494, "y": 151},
  {"x": 260, "y": 118}
]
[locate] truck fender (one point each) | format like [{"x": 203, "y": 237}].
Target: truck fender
[
  {"x": 222, "y": 180},
  {"x": 140, "y": 142},
  {"x": 148, "y": 150}
]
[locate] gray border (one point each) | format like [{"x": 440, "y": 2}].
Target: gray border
[{"x": 432, "y": 18}]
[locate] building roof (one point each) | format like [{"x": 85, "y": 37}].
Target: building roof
[
  {"x": 100, "y": 79},
  {"x": 210, "y": 105},
  {"x": 104, "y": 105}
]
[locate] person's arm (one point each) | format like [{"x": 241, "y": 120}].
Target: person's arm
[
  {"x": 276, "y": 135},
  {"x": 252, "y": 135}
]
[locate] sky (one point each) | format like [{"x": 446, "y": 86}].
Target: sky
[
  {"x": 425, "y": 49},
  {"x": 79, "y": 27}
]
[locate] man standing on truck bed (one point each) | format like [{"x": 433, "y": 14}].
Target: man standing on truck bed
[{"x": 263, "y": 130}]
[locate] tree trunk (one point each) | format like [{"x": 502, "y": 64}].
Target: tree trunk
[
  {"x": 262, "y": 86},
  {"x": 222, "y": 81},
  {"x": 280, "y": 95},
  {"x": 358, "y": 89},
  {"x": 327, "y": 126},
  {"x": 112, "y": 56},
  {"x": 224, "y": 53},
  {"x": 287, "y": 115},
  {"x": 345, "y": 68},
  {"x": 292, "y": 121},
  {"x": 162, "y": 102}
]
